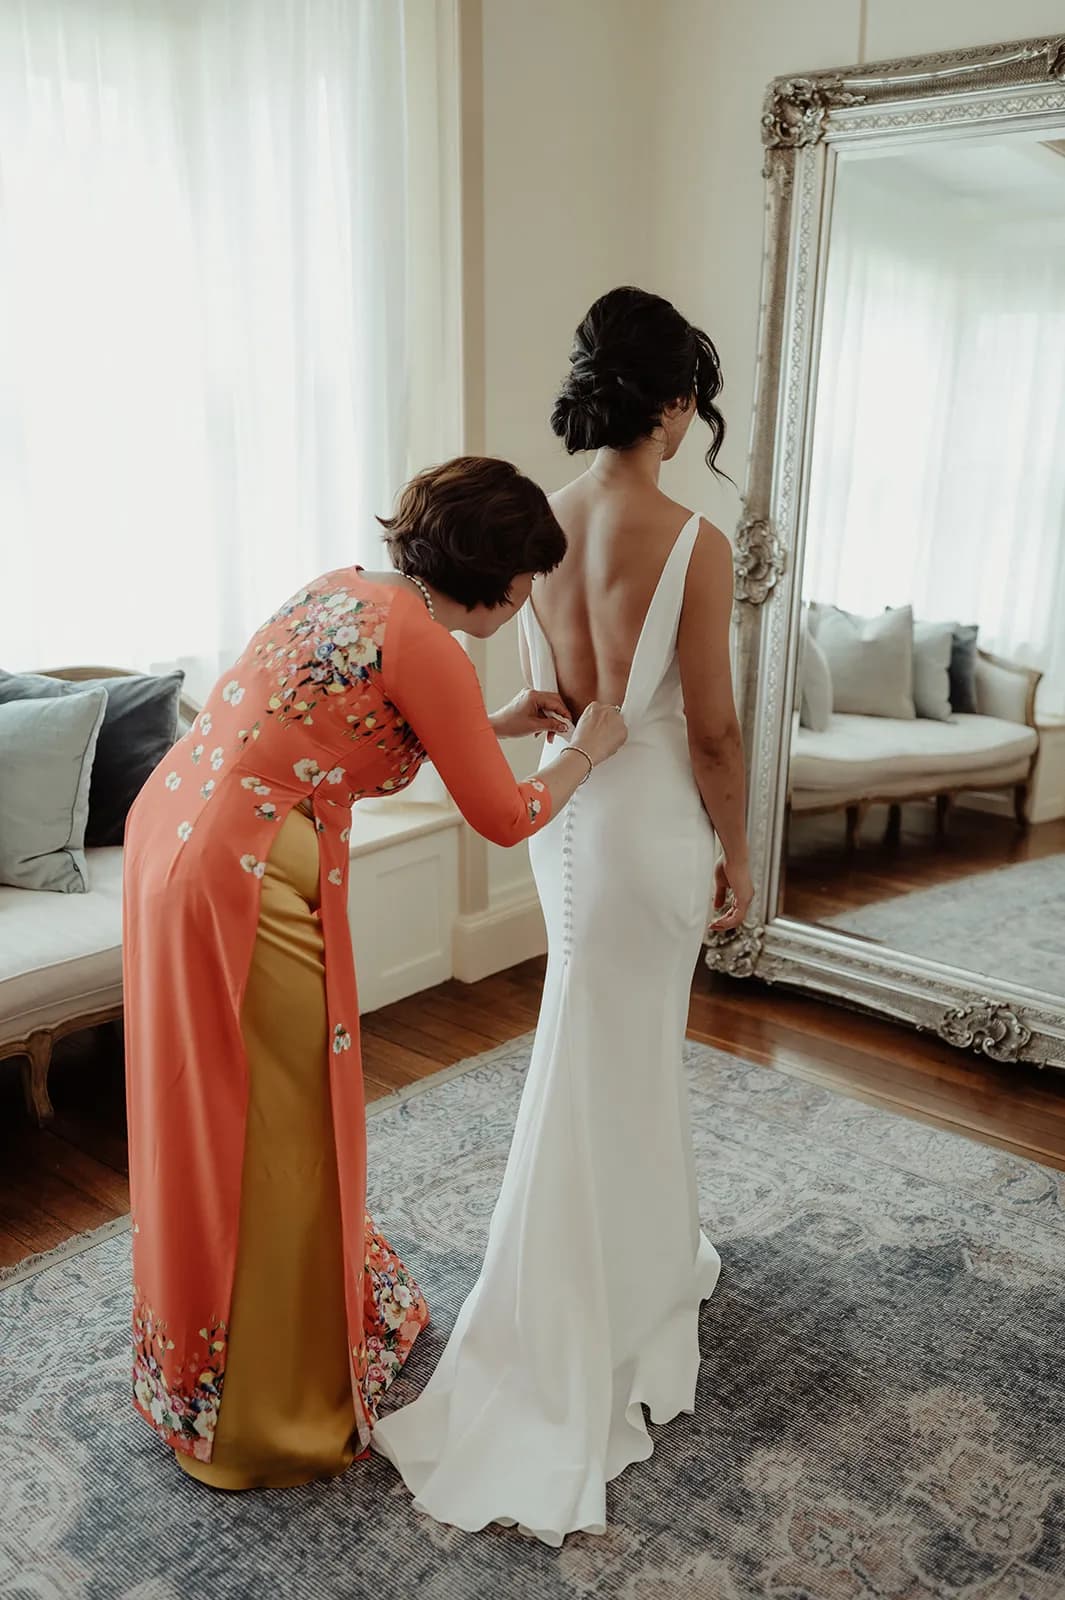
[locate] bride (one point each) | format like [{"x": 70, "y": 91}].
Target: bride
[{"x": 586, "y": 1310}]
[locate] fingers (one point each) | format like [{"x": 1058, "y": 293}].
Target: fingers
[
  {"x": 731, "y": 919},
  {"x": 552, "y": 706}
]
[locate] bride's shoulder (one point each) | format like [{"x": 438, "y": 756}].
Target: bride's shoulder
[
  {"x": 567, "y": 493},
  {"x": 708, "y": 536}
]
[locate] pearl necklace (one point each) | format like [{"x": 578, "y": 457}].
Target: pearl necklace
[{"x": 423, "y": 589}]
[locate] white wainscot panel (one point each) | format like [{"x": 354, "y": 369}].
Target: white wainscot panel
[{"x": 402, "y": 906}]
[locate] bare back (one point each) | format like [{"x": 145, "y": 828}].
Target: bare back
[{"x": 593, "y": 606}]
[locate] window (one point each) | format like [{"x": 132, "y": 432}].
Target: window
[{"x": 209, "y": 278}]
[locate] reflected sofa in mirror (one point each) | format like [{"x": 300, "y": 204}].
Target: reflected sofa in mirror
[{"x": 901, "y": 566}]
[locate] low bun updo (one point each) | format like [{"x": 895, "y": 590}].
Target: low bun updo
[{"x": 633, "y": 356}]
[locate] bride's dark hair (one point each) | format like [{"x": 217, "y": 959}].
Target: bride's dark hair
[{"x": 633, "y": 355}]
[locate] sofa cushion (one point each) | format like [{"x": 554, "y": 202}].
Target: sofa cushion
[
  {"x": 815, "y": 704},
  {"x": 140, "y": 725},
  {"x": 63, "y": 956},
  {"x": 933, "y": 646},
  {"x": 46, "y": 755},
  {"x": 870, "y": 659},
  {"x": 865, "y": 753},
  {"x": 963, "y": 658}
]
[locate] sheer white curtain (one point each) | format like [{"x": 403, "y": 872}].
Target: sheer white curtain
[
  {"x": 938, "y": 474},
  {"x": 204, "y": 361}
]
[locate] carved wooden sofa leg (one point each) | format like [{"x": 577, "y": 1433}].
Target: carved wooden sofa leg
[
  {"x": 35, "y": 1066},
  {"x": 893, "y": 830},
  {"x": 855, "y": 817},
  {"x": 943, "y": 805},
  {"x": 1020, "y": 804}
]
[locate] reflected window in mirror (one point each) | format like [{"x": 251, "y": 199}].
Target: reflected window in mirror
[{"x": 927, "y": 779}]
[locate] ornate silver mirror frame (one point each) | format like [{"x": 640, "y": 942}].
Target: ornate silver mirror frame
[{"x": 806, "y": 122}]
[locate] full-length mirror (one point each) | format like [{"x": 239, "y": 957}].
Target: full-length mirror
[
  {"x": 926, "y": 779},
  {"x": 901, "y": 564}
]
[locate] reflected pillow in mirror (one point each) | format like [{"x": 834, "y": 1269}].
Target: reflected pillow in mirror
[
  {"x": 963, "y": 667},
  {"x": 933, "y": 646},
  {"x": 815, "y": 705},
  {"x": 870, "y": 660}
]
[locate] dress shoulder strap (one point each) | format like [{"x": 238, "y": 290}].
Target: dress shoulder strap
[{"x": 541, "y": 658}]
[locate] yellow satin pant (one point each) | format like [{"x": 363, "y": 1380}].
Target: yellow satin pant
[{"x": 287, "y": 1415}]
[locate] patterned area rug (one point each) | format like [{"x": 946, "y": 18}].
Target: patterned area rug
[
  {"x": 881, "y": 1414},
  {"x": 1008, "y": 924}
]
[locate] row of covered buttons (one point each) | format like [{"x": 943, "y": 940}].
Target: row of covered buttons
[{"x": 567, "y": 880}]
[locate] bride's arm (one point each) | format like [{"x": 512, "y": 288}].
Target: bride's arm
[
  {"x": 714, "y": 737},
  {"x": 523, "y": 653}
]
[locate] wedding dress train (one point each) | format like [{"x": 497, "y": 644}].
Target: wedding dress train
[{"x": 587, "y": 1306}]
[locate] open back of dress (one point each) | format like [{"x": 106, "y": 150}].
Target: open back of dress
[{"x": 587, "y": 1306}]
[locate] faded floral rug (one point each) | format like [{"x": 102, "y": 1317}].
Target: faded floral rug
[
  {"x": 1010, "y": 923},
  {"x": 881, "y": 1414}
]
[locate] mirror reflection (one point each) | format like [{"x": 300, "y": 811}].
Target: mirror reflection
[{"x": 926, "y": 791}]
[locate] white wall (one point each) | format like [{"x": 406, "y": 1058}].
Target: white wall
[{"x": 569, "y": 137}]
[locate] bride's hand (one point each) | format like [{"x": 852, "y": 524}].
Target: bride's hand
[
  {"x": 601, "y": 732},
  {"x": 532, "y": 711},
  {"x": 733, "y": 893}
]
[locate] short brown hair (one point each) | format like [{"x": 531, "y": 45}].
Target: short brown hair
[{"x": 470, "y": 527}]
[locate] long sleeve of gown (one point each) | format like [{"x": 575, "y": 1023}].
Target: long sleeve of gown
[{"x": 431, "y": 681}]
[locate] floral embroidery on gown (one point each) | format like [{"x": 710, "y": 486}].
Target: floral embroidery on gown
[{"x": 310, "y": 712}]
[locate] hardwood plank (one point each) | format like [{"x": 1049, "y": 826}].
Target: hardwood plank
[
  {"x": 376, "y": 1088},
  {"x": 391, "y": 1063},
  {"x": 494, "y": 1024},
  {"x": 32, "y": 1231},
  {"x": 13, "y": 1248},
  {"x": 422, "y": 1041},
  {"x": 48, "y": 1158},
  {"x": 824, "y": 879}
]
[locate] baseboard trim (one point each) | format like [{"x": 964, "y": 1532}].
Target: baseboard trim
[{"x": 485, "y": 942}]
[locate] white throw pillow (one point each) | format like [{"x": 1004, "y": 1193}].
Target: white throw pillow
[
  {"x": 870, "y": 659},
  {"x": 933, "y": 644},
  {"x": 815, "y": 706}
]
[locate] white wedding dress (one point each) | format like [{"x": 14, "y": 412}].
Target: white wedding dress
[{"x": 587, "y": 1306}]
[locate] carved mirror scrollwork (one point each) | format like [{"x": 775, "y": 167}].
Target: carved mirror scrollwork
[{"x": 896, "y": 837}]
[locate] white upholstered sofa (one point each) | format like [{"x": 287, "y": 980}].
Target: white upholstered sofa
[
  {"x": 858, "y": 761},
  {"x": 61, "y": 954}
]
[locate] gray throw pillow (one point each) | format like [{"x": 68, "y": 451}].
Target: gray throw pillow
[
  {"x": 870, "y": 660},
  {"x": 963, "y": 667},
  {"x": 46, "y": 754},
  {"x": 815, "y": 707},
  {"x": 933, "y": 645},
  {"x": 140, "y": 726}
]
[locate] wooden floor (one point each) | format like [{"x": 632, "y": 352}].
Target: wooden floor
[
  {"x": 825, "y": 879},
  {"x": 71, "y": 1176}
]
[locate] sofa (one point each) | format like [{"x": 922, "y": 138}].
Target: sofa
[
  {"x": 61, "y": 954},
  {"x": 857, "y": 761}
]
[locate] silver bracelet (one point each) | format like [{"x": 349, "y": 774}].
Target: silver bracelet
[{"x": 582, "y": 752}]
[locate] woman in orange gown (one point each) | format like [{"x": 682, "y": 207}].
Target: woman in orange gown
[{"x": 269, "y": 1314}]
